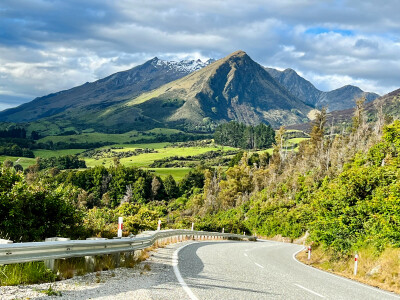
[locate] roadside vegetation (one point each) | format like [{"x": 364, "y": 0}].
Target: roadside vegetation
[{"x": 342, "y": 189}]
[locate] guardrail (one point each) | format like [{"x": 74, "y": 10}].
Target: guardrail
[{"x": 39, "y": 251}]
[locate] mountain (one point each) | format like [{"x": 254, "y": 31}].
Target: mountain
[
  {"x": 343, "y": 98},
  {"x": 297, "y": 85},
  {"x": 232, "y": 88},
  {"x": 339, "y": 99},
  {"x": 390, "y": 104},
  {"x": 105, "y": 92},
  {"x": 157, "y": 94}
]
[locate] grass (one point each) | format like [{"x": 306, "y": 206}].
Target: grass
[
  {"x": 92, "y": 137},
  {"x": 51, "y": 292},
  {"x": 377, "y": 269},
  {"x": 49, "y": 153},
  {"x": 296, "y": 140},
  {"x": 177, "y": 173},
  {"x": 98, "y": 137},
  {"x": 25, "y": 273},
  {"x": 144, "y": 160},
  {"x": 23, "y": 161},
  {"x": 128, "y": 147}
]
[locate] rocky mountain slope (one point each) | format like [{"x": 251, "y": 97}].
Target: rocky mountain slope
[
  {"x": 105, "y": 92},
  {"x": 189, "y": 95},
  {"x": 339, "y": 99},
  {"x": 232, "y": 88}
]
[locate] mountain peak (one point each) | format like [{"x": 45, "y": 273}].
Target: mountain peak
[
  {"x": 183, "y": 66},
  {"x": 290, "y": 71},
  {"x": 239, "y": 53}
]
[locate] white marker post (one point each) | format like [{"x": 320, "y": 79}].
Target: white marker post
[
  {"x": 223, "y": 230},
  {"x": 309, "y": 252},
  {"x": 120, "y": 221},
  {"x": 159, "y": 225},
  {"x": 192, "y": 226},
  {"x": 244, "y": 232},
  {"x": 355, "y": 264}
]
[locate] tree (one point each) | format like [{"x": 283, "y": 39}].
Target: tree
[
  {"x": 128, "y": 195},
  {"x": 318, "y": 127},
  {"x": 358, "y": 118},
  {"x": 18, "y": 168},
  {"x": 155, "y": 187},
  {"x": 171, "y": 189},
  {"x": 277, "y": 154},
  {"x": 8, "y": 163}
]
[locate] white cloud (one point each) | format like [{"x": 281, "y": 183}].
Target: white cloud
[{"x": 49, "y": 46}]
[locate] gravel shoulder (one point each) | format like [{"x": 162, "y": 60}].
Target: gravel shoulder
[{"x": 150, "y": 279}]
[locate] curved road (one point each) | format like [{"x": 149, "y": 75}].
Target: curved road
[{"x": 259, "y": 270}]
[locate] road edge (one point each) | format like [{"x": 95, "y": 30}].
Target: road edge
[
  {"x": 178, "y": 275},
  {"x": 342, "y": 277}
]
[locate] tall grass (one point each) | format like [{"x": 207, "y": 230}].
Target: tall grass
[
  {"x": 380, "y": 269},
  {"x": 25, "y": 273}
]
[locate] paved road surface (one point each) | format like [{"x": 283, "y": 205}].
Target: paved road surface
[
  {"x": 210, "y": 270},
  {"x": 261, "y": 270}
]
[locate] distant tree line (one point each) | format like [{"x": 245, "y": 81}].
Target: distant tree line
[
  {"x": 14, "y": 142},
  {"x": 15, "y": 150},
  {"x": 242, "y": 136},
  {"x": 62, "y": 162},
  {"x": 109, "y": 187}
]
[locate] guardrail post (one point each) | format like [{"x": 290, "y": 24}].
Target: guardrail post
[
  {"x": 51, "y": 263},
  {"x": 91, "y": 261},
  {"x": 5, "y": 241},
  {"x": 159, "y": 225},
  {"x": 120, "y": 221}
]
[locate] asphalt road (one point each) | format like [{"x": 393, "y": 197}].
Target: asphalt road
[{"x": 258, "y": 270}]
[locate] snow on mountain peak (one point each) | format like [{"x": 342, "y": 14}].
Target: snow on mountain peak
[{"x": 184, "y": 66}]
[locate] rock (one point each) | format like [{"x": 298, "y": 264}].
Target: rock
[{"x": 374, "y": 270}]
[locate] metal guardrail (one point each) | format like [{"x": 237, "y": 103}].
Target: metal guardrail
[{"x": 39, "y": 251}]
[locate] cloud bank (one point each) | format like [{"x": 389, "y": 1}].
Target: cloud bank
[{"x": 51, "y": 45}]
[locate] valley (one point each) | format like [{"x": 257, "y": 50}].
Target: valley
[{"x": 227, "y": 144}]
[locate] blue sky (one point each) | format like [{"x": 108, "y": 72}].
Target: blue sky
[{"x": 51, "y": 45}]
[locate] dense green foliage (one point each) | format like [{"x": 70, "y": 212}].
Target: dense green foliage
[
  {"x": 14, "y": 142},
  {"x": 62, "y": 162},
  {"x": 247, "y": 137},
  {"x": 32, "y": 212}
]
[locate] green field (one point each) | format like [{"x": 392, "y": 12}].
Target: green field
[
  {"x": 177, "y": 173},
  {"x": 97, "y": 137},
  {"x": 49, "y": 153},
  {"x": 296, "y": 140},
  {"x": 144, "y": 160},
  {"x": 23, "y": 161},
  {"x": 164, "y": 150}
]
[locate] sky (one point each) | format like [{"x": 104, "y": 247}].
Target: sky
[{"x": 51, "y": 45}]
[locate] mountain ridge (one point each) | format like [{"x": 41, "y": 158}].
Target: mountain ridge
[
  {"x": 227, "y": 83},
  {"x": 337, "y": 99},
  {"x": 104, "y": 92},
  {"x": 190, "y": 95}
]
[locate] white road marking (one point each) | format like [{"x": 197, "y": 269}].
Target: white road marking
[
  {"x": 259, "y": 265},
  {"x": 179, "y": 276},
  {"x": 340, "y": 277},
  {"x": 308, "y": 290},
  {"x": 245, "y": 254}
]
